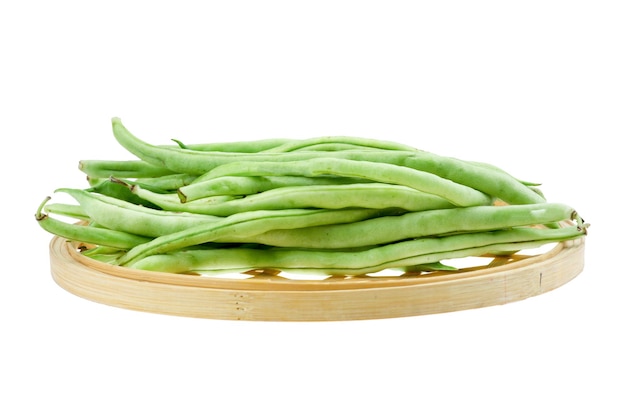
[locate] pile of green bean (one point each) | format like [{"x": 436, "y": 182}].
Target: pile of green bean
[{"x": 332, "y": 205}]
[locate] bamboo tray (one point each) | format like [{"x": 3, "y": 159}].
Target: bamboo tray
[{"x": 267, "y": 296}]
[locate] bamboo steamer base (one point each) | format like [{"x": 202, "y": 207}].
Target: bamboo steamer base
[{"x": 268, "y": 297}]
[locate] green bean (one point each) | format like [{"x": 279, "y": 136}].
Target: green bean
[
  {"x": 250, "y": 146},
  {"x": 124, "y": 184},
  {"x": 386, "y": 199},
  {"x": 388, "y": 229},
  {"x": 405, "y": 254},
  {"x": 170, "y": 182},
  {"x": 509, "y": 247},
  {"x": 110, "y": 187},
  {"x": 490, "y": 181},
  {"x": 456, "y": 193},
  {"x": 500, "y": 171},
  {"x": 68, "y": 210},
  {"x": 538, "y": 191},
  {"x": 171, "y": 201},
  {"x": 123, "y": 169},
  {"x": 331, "y": 147},
  {"x": 289, "y": 145},
  {"x": 103, "y": 254},
  {"x": 497, "y": 184},
  {"x": 237, "y": 185},
  {"x": 429, "y": 267},
  {"x": 243, "y": 225},
  {"x": 332, "y": 205},
  {"x": 120, "y": 215},
  {"x": 358, "y": 143},
  {"x": 199, "y": 162},
  {"x": 87, "y": 234},
  {"x": 369, "y": 195}
]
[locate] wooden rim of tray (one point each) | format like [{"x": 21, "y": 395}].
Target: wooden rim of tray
[{"x": 268, "y": 297}]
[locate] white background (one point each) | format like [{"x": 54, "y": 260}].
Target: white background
[{"x": 536, "y": 87}]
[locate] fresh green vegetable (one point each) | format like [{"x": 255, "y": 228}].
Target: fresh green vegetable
[
  {"x": 458, "y": 194},
  {"x": 334, "y": 205},
  {"x": 87, "y": 234},
  {"x": 243, "y": 227},
  {"x": 400, "y": 255},
  {"x": 488, "y": 180},
  {"x": 441, "y": 222},
  {"x": 242, "y": 186},
  {"x": 369, "y": 195}
]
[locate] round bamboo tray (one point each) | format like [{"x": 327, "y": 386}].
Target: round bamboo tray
[{"x": 267, "y": 296}]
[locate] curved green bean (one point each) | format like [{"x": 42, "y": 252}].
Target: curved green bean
[
  {"x": 87, "y": 234},
  {"x": 366, "y": 195},
  {"x": 171, "y": 201},
  {"x": 95, "y": 168},
  {"x": 503, "y": 172},
  {"x": 357, "y": 142},
  {"x": 167, "y": 183},
  {"x": 238, "y": 185},
  {"x": 458, "y": 194},
  {"x": 120, "y": 215},
  {"x": 104, "y": 254},
  {"x": 249, "y": 146},
  {"x": 240, "y": 227},
  {"x": 481, "y": 177},
  {"x": 406, "y": 254},
  {"x": 388, "y": 229},
  {"x": 68, "y": 210},
  {"x": 332, "y": 147},
  {"x": 112, "y": 188}
]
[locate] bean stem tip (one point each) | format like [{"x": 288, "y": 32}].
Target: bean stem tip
[{"x": 39, "y": 215}]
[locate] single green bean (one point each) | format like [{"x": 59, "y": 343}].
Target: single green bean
[
  {"x": 368, "y": 195},
  {"x": 388, "y": 229},
  {"x": 112, "y": 188},
  {"x": 170, "y": 182},
  {"x": 127, "y": 217},
  {"x": 87, "y": 234},
  {"x": 501, "y": 171},
  {"x": 458, "y": 194},
  {"x": 382, "y": 201},
  {"x": 406, "y": 254},
  {"x": 240, "y": 226},
  {"x": 409, "y": 263},
  {"x": 357, "y": 142},
  {"x": 68, "y": 210},
  {"x": 95, "y": 168},
  {"x": 171, "y": 201},
  {"x": 104, "y": 254},
  {"x": 250, "y": 146},
  {"x": 332, "y": 147},
  {"x": 123, "y": 183},
  {"x": 481, "y": 177},
  {"x": 237, "y": 185}
]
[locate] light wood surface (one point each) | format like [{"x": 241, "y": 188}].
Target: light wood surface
[{"x": 269, "y": 297}]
